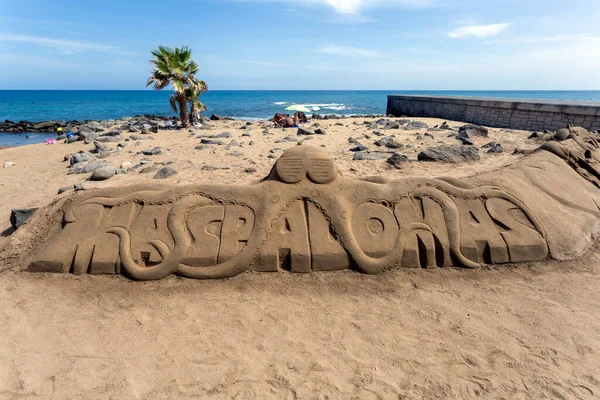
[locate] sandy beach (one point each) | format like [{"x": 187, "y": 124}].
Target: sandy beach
[{"x": 521, "y": 331}]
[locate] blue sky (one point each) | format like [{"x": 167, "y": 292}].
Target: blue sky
[{"x": 306, "y": 44}]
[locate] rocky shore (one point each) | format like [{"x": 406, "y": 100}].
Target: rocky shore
[{"x": 131, "y": 124}]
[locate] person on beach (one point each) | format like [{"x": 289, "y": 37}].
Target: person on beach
[{"x": 302, "y": 117}]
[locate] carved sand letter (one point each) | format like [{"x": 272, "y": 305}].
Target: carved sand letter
[
  {"x": 423, "y": 248},
  {"x": 375, "y": 229},
  {"x": 237, "y": 227},
  {"x": 205, "y": 226},
  {"x": 326, "y": 252},
  {"x": 288, "y": 242}
]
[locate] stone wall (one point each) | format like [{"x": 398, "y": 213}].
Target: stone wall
[{"x": 501, "y": 113}]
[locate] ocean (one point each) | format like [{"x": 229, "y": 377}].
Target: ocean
[{"x": 43, "y": 105}]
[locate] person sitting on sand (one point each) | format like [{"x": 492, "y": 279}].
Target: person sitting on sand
[
  {"x": 296, "y": 119},
  {"x": 288, "y": 121},
  {"x": 302, "y": 117},
  {"x": 278, "y": 119}
]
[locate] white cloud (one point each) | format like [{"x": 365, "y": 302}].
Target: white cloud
[
  {"x": 352, "y": 7},
  {"x": 349, "y": 51},
  {"x": 479, "y": 31},
  {"x": 66, "y": 47}
]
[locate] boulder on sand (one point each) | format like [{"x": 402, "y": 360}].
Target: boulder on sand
[
  {"x": 473, "y": 130},
  {"x": 165, "y": 172},
  {"x": 450, "y": 154}
]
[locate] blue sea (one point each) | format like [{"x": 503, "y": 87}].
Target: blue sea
[{"x": 34, "y": 105}]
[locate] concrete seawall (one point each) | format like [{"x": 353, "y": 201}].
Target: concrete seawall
[{"x": 523, "y": 114}]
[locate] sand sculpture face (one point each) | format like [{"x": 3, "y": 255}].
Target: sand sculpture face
[{"x": 305, "y": 217}]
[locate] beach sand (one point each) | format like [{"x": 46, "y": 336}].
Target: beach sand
[{"x": 519, "y": 332}]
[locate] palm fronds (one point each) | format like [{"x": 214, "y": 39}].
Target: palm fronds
[{"x": 175, "y": 67}]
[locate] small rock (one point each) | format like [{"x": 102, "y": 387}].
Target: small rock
[
  {"x": 103, "y": 173},
  {"x": 304, "y": 132},
  {"x": 391, "y": 125},
  {"x": 362, "y": 156},
  {"x": 416, "y": 125},
  {"x": 397, "y": 159},
  {"x": 450, "y": 154},
  {"x": 126, "y": 165},
  {"x": 320, "y": 132},
  {"x": 286, "y": 139},
  {"x": 90, "y": 137},
  {"x": 9, "y": 164},
  {"x": 473, "y": 130},
  {"x": 209, "y": 168},
  {"x": 165, "y": 172},
  {"x": 359, "y": 146},
  {"x": 80, "y": 157},
  {"x": 82, "y": 168},
  {"x": 122, "y": 144},
  {"x": 19, "y": 216},
  {"x": 153, "y": 151},
  {"x": 224, "y": 135},
  {"x": 390, "y": 142},
  {"x": 100, "y": 147},
  {"x": 138, "y": 137},
  {"x": 212, "y": 141},
  {"x": 107, "y": 139},
  {"x": 250, "y": 170},
  {"x": 495, "y": 148},
  {"x": 154, "y": 129}
]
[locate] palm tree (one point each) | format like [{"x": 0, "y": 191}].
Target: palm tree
[
  {"x": 193, "y": 97},
  {"x": 175, "y": 67}
]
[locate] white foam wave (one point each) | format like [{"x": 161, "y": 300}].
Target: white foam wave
[
  {"x": 280, "y": 103},
  {"x": 327, "y": 106}
]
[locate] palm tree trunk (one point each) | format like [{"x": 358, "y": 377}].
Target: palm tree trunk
[
  {"x": 194, "y": 112},
  {"x": 183, "y": 110}
]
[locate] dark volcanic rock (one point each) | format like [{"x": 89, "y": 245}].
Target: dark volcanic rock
[
  {"x": 104, "y": 173},
  {"x": 397, "y": 159},
  {"x": 416, "y": 125},
  {"x": 391, "y": 125},
  {"x": 286, "y": 139},
  {"x": 494, "y": 148},
  {"x": 359, "y": 146},
  {"x": 19, "y": 216},
  {"x": 212, "y": 141},
  {"x": 107, "y": 139},
  {"x": 165, "y": 172},
  {"x": 304, "y": 132},
  {"x": 363, "y": 155},
  {"x": 89, "y": 137},
  {"x": 390, "y": 142},
  {"x": 152, "y": 152},
  {"x": 215, "y": 117},
  {"x": 80, "y": 157},
  {"x": 82, "y": 168},
  {"x": 473, "y": 130},
  {"x": 450, "y": 154}
]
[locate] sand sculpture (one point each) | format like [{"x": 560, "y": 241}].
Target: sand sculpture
[{"x": 305, "y": 216}]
